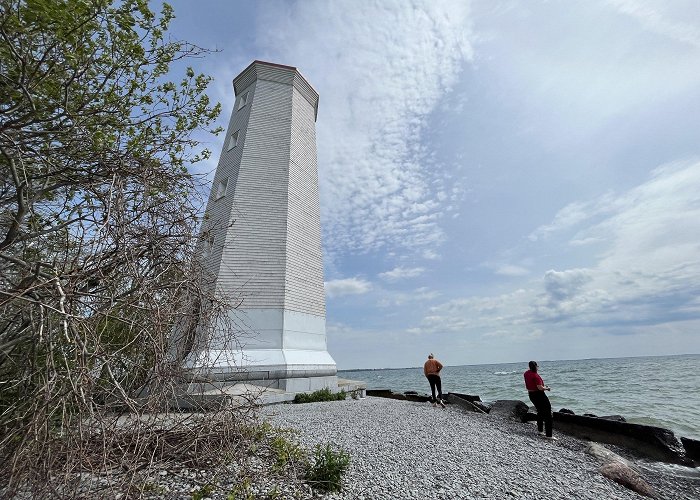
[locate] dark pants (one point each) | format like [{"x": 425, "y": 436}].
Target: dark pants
[
  {"x": 435, "y": 383},
  {"x": 544, "y": 411}
]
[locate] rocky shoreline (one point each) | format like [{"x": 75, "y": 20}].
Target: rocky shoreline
[
  {"x": 404, "y": 448},
  {"x": 409, "y": 449}
]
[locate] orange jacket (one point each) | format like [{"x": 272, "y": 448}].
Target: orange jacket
[{"x": 432, "y": 367}]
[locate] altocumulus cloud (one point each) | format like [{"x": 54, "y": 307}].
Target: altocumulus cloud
[
  {"x": 378, "y": 186},
  {"x": 647, "y": 273},
  {"x": 399, "y": 273},
  {"x": 347, "y": 286}
]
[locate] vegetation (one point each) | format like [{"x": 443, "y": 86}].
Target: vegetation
[
  {"x": 323, "y": 469},
  {"x": 320, "y": 395},
  {"x": 98, "y": 268},
  {"x": 101, "y": 293},
  {"x": 326, "y": 471}
]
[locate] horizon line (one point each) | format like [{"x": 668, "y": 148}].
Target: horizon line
[{"x": 514, "y": 362}]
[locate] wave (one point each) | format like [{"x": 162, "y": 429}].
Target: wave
[{"x": 506, "y": 373}]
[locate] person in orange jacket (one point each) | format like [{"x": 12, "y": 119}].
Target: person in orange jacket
[{"x": 431, "y": 369}]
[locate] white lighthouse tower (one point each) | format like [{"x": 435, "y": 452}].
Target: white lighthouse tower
[{"x": 262, "y": 240}]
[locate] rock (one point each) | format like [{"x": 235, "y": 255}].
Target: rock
[
  {"x": 692, "y": 448},
  {"x": 654, "y": 442},
  {"x": 468, "y": 397},
  {"x": 414, "y": 396},
  {"x": 589, "y": 415},
  {"x": 616, "y": 418},
  {"x": 485, "y": 407},
  {"x": 530, "y": 416},
  {"x": 566, "y": 410},
  {"x": 509, "y": 408},
  {"x": 380, "y": 393},
  {"x": 463, "y": 403},
  {"x": 406, "y": 396},
  {"x": 605, "y": 455},
  {"x": 624, "y": 475}
]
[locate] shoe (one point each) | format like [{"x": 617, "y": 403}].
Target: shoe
[
  {"x": 441, "y": 402},
  {"x": 541, "y": 433},
  {"x": 434, "y": 405},
  {"x": 551, "y": 438}
]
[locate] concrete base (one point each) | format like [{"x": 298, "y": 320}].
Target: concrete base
[
  {"x": 198, "y": 396},
  {"x": 259, "y": 364}
]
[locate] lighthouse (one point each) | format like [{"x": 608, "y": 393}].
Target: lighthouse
[{"x": 261, "y": 241}]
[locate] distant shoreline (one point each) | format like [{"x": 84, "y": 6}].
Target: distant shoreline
[{"x": 524, "y": 363}]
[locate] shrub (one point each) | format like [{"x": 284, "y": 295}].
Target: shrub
[
  {"x": 320, "y": 395},
  {"x": 285, "y": 452},
  {"x": 203, "y": 492},
  {"x": 326, "y": 471},
  {"x": 242, "y": 491}
]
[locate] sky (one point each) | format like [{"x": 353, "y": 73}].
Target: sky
[{"x": 500, "y": 181}]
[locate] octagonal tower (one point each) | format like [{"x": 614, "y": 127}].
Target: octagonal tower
[{"x": 262, "y": 239}]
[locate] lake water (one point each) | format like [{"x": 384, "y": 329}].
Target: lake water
[{"x": 659, "y": 390}]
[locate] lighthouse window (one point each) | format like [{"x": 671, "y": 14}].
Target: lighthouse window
[
  {"x": 233, "y": 140},
  {"x": 243, "y": 100},
  {"x": 221, "y": 189}
]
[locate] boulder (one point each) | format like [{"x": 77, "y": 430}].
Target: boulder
[
  {"x": 530, "y": 416},
  {"x": 692, "y": 448},
  {"x": 414, "y": 396},
  {"x": 485, "y": 407},
  {"x": 624, "y": 475},
  {"x": 616, "y": 418},
  {"x": 509, "y": 408},
  {"x": 601, "y": 452},
  {"x": 407, "y": 396},
  {"x": 464, "y": 403},
  {"x": 468, "y": 397},
  {"x": 653, "y": 442},
  {"x": 589, "y": 415},
  {"x": 566, "y": 410},
  {"x": 379, "y": 393}
]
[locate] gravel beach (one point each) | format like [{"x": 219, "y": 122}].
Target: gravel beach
[{"x": 402, "y": 449}]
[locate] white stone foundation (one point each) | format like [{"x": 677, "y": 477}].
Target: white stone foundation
[{"x": 275, "y": 348}]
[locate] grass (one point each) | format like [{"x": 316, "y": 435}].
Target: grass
[{"x": 327, "y": 469}]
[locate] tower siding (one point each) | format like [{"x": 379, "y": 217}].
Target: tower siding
[
  {"x": 304, "y": 273},
  {"x": 267, "y": 238}
]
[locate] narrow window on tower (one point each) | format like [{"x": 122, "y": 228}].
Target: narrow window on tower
[
  {"x": 243, "y": 100},
  {"x": 221, "y": 188},
  {"x": 208, "y": 246},
  {"x": 233, "y": 140}
]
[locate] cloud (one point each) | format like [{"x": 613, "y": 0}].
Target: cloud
[
  {"x": 400, "y": 273},
  {"x": 429, "y": 254},
  {"x": 347, "y": 286},
  {"x": 381, "y": 68},
  {"x": 510, "y": 336},
  {"x": 655, "y": 18},
  {"x": 563, "y": 285},
  {"x": 511, "y": 270},
  {"x": 575, "y": 214},
  {"x": 421, "y": 295},
  {"x": 647, "y": 273}
]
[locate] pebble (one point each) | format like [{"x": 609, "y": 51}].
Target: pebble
[
  {"x": 402, "y": 449},
  {"x": 405, "y": 450}
]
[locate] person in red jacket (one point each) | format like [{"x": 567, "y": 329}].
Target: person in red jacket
[
  {"x": 536, "y": 391},
  {"x": 431, "y": 369}
]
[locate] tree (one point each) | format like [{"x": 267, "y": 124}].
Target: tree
[{"x": 97, "y": 216}]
